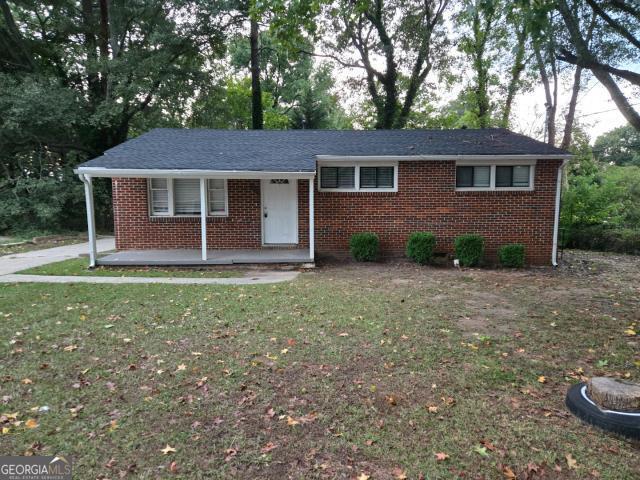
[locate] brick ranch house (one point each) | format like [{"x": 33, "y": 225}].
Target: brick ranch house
[{"x": 222, "y": 196}]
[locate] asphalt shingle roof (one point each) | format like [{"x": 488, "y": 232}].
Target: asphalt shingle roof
[{"x": 295, "y": 150}]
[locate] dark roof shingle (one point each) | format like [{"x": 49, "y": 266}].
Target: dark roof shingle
[{"x": 295, "y": 150}]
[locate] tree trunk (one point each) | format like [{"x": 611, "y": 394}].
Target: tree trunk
[
  {"x": 571, "y": 113},
  {"x": 516, "y": 71},
  {"x": 550, "y": 104},
  {"x": 584, "y": 55},
  {"x": 614, "y": 394},
  {"x": 257, "y": 121}
]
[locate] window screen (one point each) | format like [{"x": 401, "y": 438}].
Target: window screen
[
  {"x": 216, "y": 196},
  {"x": 186, "y": 196},
  {"x": 337, "y": 177},
  {"x": 159, "y": 196},
  {"x": 376, "y": 177}
]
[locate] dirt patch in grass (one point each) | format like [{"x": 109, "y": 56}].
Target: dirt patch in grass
[{"x": 20, "y": 245}]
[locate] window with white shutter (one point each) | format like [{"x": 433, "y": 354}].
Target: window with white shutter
[
  {"x": 181, "y": 197},
  {"x": 186, "y": 196}
]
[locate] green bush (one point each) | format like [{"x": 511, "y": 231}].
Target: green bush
[
  {"x": 511, "y": 255},
  {"x": 364, "y": 246},
  {"x": 420, "y": 247},
  {"x": 469, "y": 249},
  {"x": 604, "y": 238}
]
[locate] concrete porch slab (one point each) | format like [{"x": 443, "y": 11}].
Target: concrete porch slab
[{"x": 215, "y": 257}]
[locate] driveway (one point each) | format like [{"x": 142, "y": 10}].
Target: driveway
[{"x": 21, "y": 261}]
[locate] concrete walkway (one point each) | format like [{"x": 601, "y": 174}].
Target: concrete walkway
[
  {"x": 259, "y": 278},
  {"x": 21, "y": 261},
  {"x": 10, "y": 264}
]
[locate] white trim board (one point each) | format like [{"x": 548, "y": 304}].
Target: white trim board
[
  {"x": 160, "y": 173},
  {"x": 408, "y": 158}
]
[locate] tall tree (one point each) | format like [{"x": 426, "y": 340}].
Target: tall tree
[
  {"x": 396, "y": 43},
  {"x": 617, "y": 42},
  {"x": 482, "y": 20}
]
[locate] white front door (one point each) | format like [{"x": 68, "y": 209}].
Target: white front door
[{"x": 280, "y": 211}]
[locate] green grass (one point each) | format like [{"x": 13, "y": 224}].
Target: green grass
[
  {"x": 79, "y": 267},
  {"x": 354, "y": 354}
]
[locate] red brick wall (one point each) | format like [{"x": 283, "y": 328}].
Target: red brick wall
[
  {"x": 426, "y": 200},
  {"x": 242, "y": 228}
]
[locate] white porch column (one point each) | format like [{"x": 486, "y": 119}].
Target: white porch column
[
  {"x": 203, "y": 216},
  {"x": 311, "y": 221},
  {"x": 91, "y": 219}
]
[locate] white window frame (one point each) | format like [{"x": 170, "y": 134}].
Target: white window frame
[
  {"x": 172, "y": 213},
  {"x": 225, "y": 213},
  {"x": 357, "y": 166},
  {"x": 169, "y": 211},
  {"x": 492, "y": 179}
]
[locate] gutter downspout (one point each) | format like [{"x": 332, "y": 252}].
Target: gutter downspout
[
  {"x": 91, "y": 221},
  {"x": 556, "y": 220}
]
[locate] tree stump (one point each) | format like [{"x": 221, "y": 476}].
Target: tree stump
[{"x": 614, "y": 394}]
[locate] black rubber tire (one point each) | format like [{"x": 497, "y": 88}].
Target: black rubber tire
[{"x": 611, "y": 421}]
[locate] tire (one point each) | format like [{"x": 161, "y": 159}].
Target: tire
[{"x": 624, "y": 423}]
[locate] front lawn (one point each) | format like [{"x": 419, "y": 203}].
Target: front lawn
[
  {"x": 79, "y": 266},
  {"x": 373, "y": 371}
]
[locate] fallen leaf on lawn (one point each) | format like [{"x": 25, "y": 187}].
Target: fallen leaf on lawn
[
  {"x": 292, "y": 421},
  {"x": 173, "y": 467},
  {"x": 167, "y": 450},
  {"x": 432, "y": 409},
  {"x": 345, "y": 334},
  {"x": 399, "y": 474},
  {"x": 181, "y": 367},
  {"x": 196, "y": 354},
  {"x": 481, "y": 451},
  {"x": 542, "y": 379},
  {"x": 291, "y": 342},
  {"x": 572, "y": 463},
  {"x": 630, "y": 332},
  {"x": 113, "y": 425},
  {"x": 284, "y": 351},
  {"x": 508, "y": 473},
  {"x": 391, "y": 400},
  {"x": 363, "y": 476},
  {"x": 308, "y": 418},
  {"x": 27, "y": 381},
  {"x": 268, "y": 447},
  {"x": 6, "y": 430},
  {"x": 126, "y": 340},
  {"x": 441, "y": 456},
  {"x": 230, "y": 453},
  {"x": 31, "y": 423},
  {"x": 70, "y": 348}
]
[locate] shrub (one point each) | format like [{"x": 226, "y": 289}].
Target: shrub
[
  {"x": 420, "y": 247},
  {"x": 364, "y": 246},
  {"x": 469, "y": 249},
  {"x": 604, "y": 238},
  {"x": 511, "y": 255}
]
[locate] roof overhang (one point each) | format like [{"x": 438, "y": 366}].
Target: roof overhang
[
  {"x": 186, "y": 173},
  {"x": 407, "y": 158}
]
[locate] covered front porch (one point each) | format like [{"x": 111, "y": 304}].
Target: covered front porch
[
  {"x": 190, "y": 218},
  {"x": 190, "y": 257}
]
